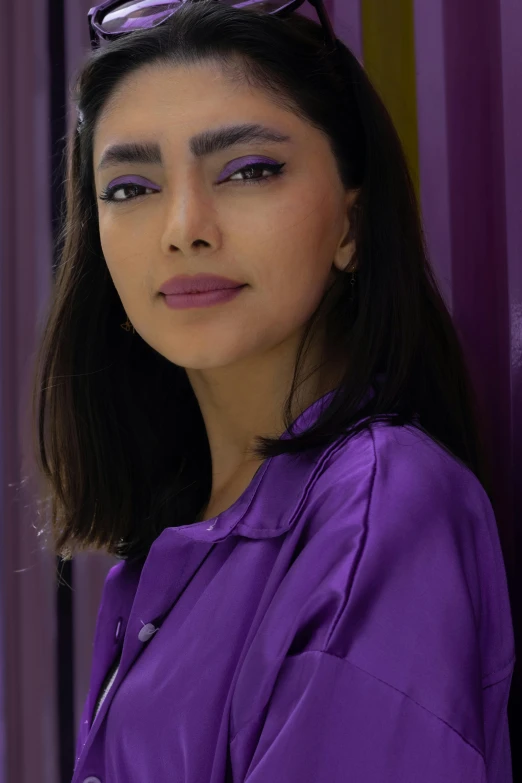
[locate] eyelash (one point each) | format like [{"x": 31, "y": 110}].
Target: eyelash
[{"x": 275, "y": 168}]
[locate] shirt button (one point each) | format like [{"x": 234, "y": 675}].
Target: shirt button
[
  {"x": 92, "y": 779},
  {"x": 146, "y": 632}
]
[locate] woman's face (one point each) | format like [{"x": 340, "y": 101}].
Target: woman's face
[{"x": 277, "y": 233}]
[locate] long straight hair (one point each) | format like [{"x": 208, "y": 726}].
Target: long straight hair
[{"x": 119, "y": 440}]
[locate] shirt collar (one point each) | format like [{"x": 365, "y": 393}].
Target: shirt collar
[{"x": 269, "y": 504}]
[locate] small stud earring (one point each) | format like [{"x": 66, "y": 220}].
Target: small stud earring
[{"x": 128, "y": 326}]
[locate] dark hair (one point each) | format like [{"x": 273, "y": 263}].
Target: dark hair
[{"x": 118, "y": 434}]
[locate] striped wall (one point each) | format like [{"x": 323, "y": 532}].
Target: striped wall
[{"x": 450, "y": 73}]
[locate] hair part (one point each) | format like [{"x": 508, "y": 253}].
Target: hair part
[{"x": 119, "y": 440}]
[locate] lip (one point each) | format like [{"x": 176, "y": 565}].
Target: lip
[
  {"x": 185, "y": 284},
  {"x": 204, "y": 299}
]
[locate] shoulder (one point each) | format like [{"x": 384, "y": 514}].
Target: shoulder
[
  {"x": 424, "y": 575},
  {"x": 400, "y": 487},
  {"x": 405, "y": 485},
  {"x": 406, "y": 461}
]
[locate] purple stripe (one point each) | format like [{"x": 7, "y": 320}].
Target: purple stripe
[
  {"x": 346, "y": 18},
  {"x": 432, "y": 138},
  {"x": 29, "y": 735},
  {"x": 511, "y": 64},
  {"x": 478, "y": 215}
]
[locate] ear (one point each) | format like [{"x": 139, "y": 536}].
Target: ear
[{"x": 347, "y": 246}]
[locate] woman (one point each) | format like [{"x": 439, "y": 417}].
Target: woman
[{"x": 311, "y": 586}]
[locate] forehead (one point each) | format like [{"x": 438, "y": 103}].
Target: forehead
[{"x": 173, "y": 95}]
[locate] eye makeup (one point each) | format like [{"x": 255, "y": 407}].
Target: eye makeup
[
  {"x": 255, "y": 163},
  {"x": 253, "y": 160},
  {"x": 128, "y": 180}
]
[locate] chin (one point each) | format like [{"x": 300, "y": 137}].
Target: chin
[{"x": 203, "y": 360}]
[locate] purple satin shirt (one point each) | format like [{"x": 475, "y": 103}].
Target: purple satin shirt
[{"x": 346, "y": 620}]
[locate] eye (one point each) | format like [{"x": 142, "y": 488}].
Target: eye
[
  {"x": 274, "y": 170},
  {"x": 109, "y": 193}
]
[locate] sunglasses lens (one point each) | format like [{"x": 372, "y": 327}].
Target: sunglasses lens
[
  {"x": 137, "y": 14},
  {"x": 124, "y": 17}
]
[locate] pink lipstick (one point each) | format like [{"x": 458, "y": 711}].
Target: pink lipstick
[{"x": 202, "y": 290}]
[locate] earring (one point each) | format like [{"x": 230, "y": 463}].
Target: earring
[
  {"x": 128, "y": 326},
  {"x": 352, "y": 285}
]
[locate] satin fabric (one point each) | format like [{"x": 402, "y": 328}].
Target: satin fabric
[{"x": 346, "y": 620}]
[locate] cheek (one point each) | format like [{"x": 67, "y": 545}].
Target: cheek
[
  {"x": 296, "y": 298},
  {"x": 296, "y": 268},
  {"x": 286, "y": 299},
  {"x": 122, "y": 258},
  {"x": 110, "y": 242}
]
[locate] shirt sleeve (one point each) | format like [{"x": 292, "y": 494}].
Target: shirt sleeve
[{"x": 330, "y": 721}]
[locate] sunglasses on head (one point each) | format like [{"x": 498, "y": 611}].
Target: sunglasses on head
[{"x": 113, "y": 18}]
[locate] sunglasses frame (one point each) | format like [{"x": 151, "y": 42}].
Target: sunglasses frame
[{"x": 97, "y": 35}]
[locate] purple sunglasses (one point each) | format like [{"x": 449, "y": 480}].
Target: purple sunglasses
[{"x": 113, "y": 18}]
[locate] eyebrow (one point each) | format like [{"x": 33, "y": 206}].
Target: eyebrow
[{"x": 201, "y": 145}]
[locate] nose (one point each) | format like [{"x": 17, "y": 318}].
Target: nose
[{"x": 191, "y": 222}]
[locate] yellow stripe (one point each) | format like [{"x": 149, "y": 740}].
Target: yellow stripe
[{"x": 389, "y": 60}]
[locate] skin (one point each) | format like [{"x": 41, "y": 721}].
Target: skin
[{"x": 281, "y": 237}]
